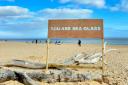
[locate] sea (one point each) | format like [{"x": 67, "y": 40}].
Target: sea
[{"x": 110, "y": 41}]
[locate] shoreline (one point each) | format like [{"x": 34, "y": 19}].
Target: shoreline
[
  {"x": 110, "y": 41},
  {"x": 62, "y": 43}
]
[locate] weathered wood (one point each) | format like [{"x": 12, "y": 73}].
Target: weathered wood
[
  {"x": 6, "y": 75},
  {"x": 32, "y": 65},
  {"x": 83, "y": 58},
  {"x": 25, "y": 79},
  {"x": 63, "y": 75},
  {"x": 90, "y": 59},
  {"x": 75, "y": 66},
  {"x": 24, "y": 64}
]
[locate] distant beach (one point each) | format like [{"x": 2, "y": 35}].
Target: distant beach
[{"x": 110, "y": 41}]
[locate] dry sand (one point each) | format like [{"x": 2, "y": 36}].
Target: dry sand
[{"x": 116, "y": 68}]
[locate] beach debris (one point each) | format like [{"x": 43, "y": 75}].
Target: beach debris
[
  {"x": 23, "y": 64},
  {"x": 6, "y": 75},
  {"x": 25, "y": 79},
  {"x": 83, "y": 58},
  {"x": 34, "y": 65},
  {"x": 34, "y": 78}
]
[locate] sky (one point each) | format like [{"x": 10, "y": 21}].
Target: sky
[{"x": 29, "y": 18}]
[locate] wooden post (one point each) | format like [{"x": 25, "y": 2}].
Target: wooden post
[
  {"x": 103, "y": 66},
  {"x": 47, "y": 55}
]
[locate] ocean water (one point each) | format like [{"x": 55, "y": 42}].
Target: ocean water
[
  {"x": 110, "y": 41},
  {"x": 75, "y": 40},
  {"x": 117, "y": 41}
]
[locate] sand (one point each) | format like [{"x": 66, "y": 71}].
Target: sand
[{"x": 116, "y": 68}]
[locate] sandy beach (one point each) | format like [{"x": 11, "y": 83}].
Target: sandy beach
[{"x": 116, "y": 61}]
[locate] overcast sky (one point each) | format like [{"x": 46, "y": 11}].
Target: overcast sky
[{"x": 29, "y": 18}]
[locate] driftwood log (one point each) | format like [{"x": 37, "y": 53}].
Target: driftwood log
[
  {"x": 83, "y": 58},
  {"x": 6, "y": 75},
  {"x": 34, "y": 78},
  {"x": 32, "y": 65},
  {"x": 54, "y": 75},
  {"x": 23, "y": 64}
]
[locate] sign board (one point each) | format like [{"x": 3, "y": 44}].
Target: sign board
[{"x": 76, "y": 28}]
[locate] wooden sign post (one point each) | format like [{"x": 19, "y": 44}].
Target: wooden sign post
[
  {"x": 103, "y": 67},
  {"x": 47, "y": 55},
  {"x": 76, "y": 28}
]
